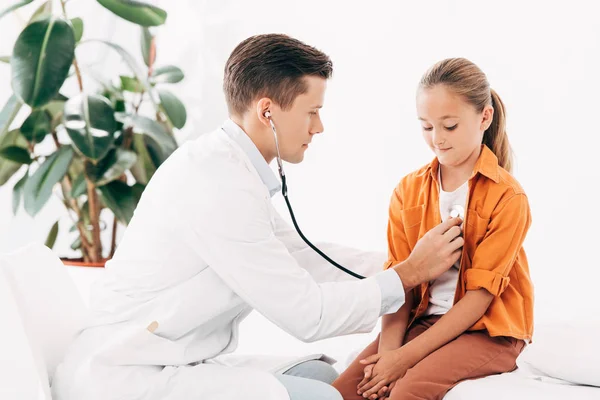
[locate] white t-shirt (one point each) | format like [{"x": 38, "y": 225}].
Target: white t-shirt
[{"x": 442, "y": 290}]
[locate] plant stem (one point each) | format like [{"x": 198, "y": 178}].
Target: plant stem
[
  {"x": 72, "y": 204},
  {"x": 113, "y": 244},
  {"x": 95, "y": 248},
  {"x": 96, "y": 245}
]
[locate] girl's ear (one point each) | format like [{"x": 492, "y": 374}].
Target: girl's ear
[{"x": 487, "y": 117}]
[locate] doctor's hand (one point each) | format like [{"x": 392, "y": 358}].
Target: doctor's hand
[{"x": 433, "y": 254}]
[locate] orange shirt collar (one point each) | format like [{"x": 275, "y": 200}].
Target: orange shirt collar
[{"x": 487, "y": 165}]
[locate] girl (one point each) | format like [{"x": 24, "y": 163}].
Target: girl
[{"x": 474, "y": 320}]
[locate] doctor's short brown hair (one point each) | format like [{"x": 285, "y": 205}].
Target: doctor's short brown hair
[{"x": 271, "y": 65}]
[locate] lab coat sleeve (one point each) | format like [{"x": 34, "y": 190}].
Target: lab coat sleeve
[{"x": 234, "y": 233}]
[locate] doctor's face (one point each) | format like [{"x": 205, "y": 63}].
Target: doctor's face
[{"x": 297, "y": 125}]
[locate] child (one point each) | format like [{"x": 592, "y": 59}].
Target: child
[{"x": 473, "y": 320}]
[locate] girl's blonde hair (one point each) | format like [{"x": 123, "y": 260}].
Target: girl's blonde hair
[{"x": 468, "y": 81}]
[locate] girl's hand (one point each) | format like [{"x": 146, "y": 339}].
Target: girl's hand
[{"x": 384, "y": 369}]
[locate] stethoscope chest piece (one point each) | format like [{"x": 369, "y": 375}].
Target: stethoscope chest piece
[{"x": 457, "y": 211}]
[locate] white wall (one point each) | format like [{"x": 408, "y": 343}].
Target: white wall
[{"x": 543, "y": 59}]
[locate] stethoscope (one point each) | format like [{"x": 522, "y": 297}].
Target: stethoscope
[
  {"x": 289, "y": 206},
  {"x": 456, "y": 210}
]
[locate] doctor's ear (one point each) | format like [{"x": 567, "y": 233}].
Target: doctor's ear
[{"x": 263, "y": 110}]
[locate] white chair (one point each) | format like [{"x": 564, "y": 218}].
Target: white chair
[{"x": 40, "y": 312}]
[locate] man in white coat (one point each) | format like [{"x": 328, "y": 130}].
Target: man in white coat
[{"x": 206, "y": 247}]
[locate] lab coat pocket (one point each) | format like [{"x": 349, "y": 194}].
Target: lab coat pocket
[
  {"x": 411, "y": 219},
  {"x": 138, "y": 345}
]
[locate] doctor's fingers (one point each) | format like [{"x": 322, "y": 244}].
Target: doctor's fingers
[
  {"x": 455, "y": 256},
  {"x": 446, "y": 225},
  {"x": 456, "y": 244},
  {"x": 452, "y": 233}
]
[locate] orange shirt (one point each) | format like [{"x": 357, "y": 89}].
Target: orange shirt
[{"x": 497, "y": 218}]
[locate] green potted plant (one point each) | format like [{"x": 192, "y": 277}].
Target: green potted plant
[{"x": 94, "y": 147}]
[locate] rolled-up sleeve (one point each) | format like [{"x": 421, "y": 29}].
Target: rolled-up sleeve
[{"x": 496, "y": 254}]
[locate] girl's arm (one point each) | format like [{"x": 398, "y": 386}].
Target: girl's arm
[
  {"x": 457, "y": 320},
  {"x": 393, "y": 326},
  {"x": 386, "y": 367}
]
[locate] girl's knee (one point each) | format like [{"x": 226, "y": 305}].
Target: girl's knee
[
  {"x": 411, "y": 389},
  {"x": 347, "y": 388}
]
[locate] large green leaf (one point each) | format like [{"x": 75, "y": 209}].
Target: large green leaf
[
  {"x": 136, "y": 11},
  {"x": 18, "y": 192},
  {"x": 9, "y": 168},
  {"x": 36, "y": 126},
  {"x": 144, "y": 167},
  {"x": 43, "y": 11},
  {"x": 145, "y": 44},
  {"x": 90, "y": 123},
  {"x": 111, "y": 167},
  {"x": 9, "y": 112},
  {"x": 121, "y": 198},
  {"x": 41, "y": 59},
  {"x": 13, "y": 7},
  {"x": 167, "y": 74},
  {"x": 16, "y": 154},
  {"x": 173, "y": 107},
  {"x": 52, "y": 235},
  {"x": 38, "y": 187},
  {"x": 154, "y": 130},
  {"x": 77, "y": 28}
]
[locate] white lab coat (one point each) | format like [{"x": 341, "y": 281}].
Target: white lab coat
[{"x": 204, "y": 248}]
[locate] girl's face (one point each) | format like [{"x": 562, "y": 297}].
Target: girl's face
[{"x": 452, "y": 128}]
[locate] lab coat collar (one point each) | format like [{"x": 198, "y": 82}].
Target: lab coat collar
[{"x": 265, "y": 172}]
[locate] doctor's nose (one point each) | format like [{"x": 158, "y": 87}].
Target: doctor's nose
[{"x": 317, "y": 127}]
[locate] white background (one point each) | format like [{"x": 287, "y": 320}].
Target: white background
[{"x": 543, "y": 58}]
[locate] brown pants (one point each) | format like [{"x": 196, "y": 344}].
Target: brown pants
[{"x": 472, "y": 355}]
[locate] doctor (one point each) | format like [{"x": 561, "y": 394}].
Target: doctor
[{"x": 206, "y": 247}]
